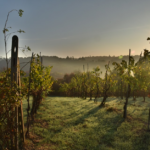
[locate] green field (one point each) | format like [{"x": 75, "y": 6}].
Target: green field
[{"x": 64, "y": 123}]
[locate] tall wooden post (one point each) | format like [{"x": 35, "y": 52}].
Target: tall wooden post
[{"x": 15, "y": 77}]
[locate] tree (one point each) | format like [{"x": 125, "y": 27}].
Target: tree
[
  {"x": 107, "y": 82},
  {"x": 142, "y": 73},
  {"x": 41, "y": 83},
  {"x": 78, "y": 81},
  {"x": 64, "y": 88},
  {"x": 72, "y": 86},
  {"x": 126, "y": 76},
  {"x": 97, "y": 79},
  {"x": 91, "y": 84}
]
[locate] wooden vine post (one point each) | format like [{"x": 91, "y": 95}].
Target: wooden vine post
[{"x": 15, "y": 77}]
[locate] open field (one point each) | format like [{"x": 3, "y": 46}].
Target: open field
[{"x": 66, "y": 123}]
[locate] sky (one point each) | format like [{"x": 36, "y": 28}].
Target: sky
[{"x": 77, "y": 28}]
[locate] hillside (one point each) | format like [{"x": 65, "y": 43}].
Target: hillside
[{"x": 62, "y": 66}]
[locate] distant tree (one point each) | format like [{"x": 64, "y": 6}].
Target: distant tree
[
  {"x": 67, "y": 77},
  {"x": 54, "y": 56},
  {"x": 67, "y": 57}
]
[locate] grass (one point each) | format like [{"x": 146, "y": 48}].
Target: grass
[{"x": 65, "y": 123}]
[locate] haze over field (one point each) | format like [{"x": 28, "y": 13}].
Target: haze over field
[
  {"x": 78, "y": 28},
  {"x": 61, "y": 66}
]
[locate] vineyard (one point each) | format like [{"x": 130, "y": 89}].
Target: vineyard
[
  {"x": 80, "y": 111},
  {"x": 86, "y": 95}
]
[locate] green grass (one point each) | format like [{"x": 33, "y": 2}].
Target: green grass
[{"x": 64, "y": 123}]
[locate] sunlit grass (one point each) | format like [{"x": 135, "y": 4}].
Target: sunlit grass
[{"x": 64, "y": 123}]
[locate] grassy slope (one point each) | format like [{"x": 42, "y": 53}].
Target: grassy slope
[{"x": 64, "y": 123}]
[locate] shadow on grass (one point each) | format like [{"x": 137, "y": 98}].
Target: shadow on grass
[
  {"x": 86, "y": 115},
  {"x": 106, "y": 129},
  {"x": 108, "y": 137},
  {"x": 143, "y": 140}
]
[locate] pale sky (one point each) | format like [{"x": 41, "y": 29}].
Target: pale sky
[{"x": 77, "y": 28}]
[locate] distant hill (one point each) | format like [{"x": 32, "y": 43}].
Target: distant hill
[{"x": 62, "y": 66}]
